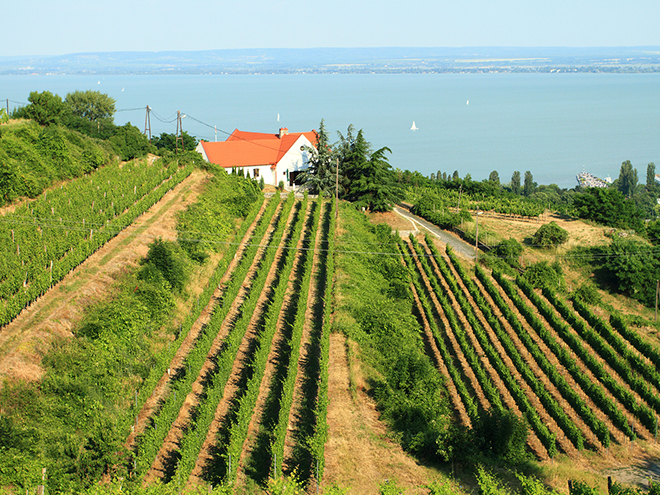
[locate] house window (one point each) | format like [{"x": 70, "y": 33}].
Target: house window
[{"x": 256, "y": 173}]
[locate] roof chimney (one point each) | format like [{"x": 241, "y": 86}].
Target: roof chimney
[{"x": 283, "y": 131}]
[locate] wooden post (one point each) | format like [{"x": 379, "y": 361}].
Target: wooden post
[
  {"x": 570, "y": 486},
  {"x": 609, "y": 484}
]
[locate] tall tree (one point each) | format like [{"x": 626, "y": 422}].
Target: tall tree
[
  {"x": 515, "y": 182},
  {"x": 45, "y": 108},
  {"x": 627, "y": 179},
  {"x": 529, "y": 186},
  {"x": 494, "y": 178},
  {"x": 376, "y": 187},
  {"x": 91, "y": 105},
  {"x": 319, "y": 178},
  {"x": 650, "y": 177}
]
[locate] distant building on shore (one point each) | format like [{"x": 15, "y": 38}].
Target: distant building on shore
[
  {"x": 585, "y": 179},
  {"x": 273, "y": 157}
]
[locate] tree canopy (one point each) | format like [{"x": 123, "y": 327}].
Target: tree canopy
[{"x": 364, "y": 176}]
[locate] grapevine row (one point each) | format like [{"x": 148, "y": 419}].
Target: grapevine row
[
  {"x": 164, "y": 358},
  {"x": 471, "y": 407},
  {"x": 191, "y": 444},
  {"x": 547, "y": 438},
  {"x": 549, "y": 403},
  {"x": 286, "y": 398},
  {"x": 572, "y": 397},
  {"x": 327, "y": 263},
  {"x": 623, "y": 394},
  {"x": 39, "y": 252},
  {"x": 593, "y": 390},
  {"x": 152, "y": 439}
]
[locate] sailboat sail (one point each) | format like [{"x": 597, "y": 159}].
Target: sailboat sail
[{"x": 414, "y": 127}]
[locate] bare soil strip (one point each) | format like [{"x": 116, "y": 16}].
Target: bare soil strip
[
  {"x": 177, "y": 430},
  {"x": 360, "y": 452},
  {"x": 584, "y": 369},
  {"x": 454, "y": 346},
  {"x": 295, "y": 426},
  {"x": 56, "y": 313},
  {"x": 640, "y": 430},
  {"x": 533, "y": 441},
  {"x": 151, "y": 404}
]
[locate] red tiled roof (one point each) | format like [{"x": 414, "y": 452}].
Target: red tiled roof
[{"x": 245, "y": 149}]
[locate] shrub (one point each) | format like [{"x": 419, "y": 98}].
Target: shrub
[
  {"x": 542, "y": 274},
  {"x": 550, "y": 234},
  {"x": 168, "y": 259}
]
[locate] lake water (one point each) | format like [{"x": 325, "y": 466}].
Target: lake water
[{"x": 554, "y": 125}]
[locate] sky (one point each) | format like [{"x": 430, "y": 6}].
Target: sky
[{"x": 59, "y": 27}]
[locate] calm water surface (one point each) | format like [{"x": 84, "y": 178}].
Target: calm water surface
[{"x": 551, "y": 124}]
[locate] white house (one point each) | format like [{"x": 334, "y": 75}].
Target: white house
[{"x": 273, "y": 157}]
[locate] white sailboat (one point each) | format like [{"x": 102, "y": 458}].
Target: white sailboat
[{"x": 414, "y": 127}]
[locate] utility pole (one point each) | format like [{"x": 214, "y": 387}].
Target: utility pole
[
  {"x": 476, "y": 241},
  {"x": 147, "y": 123},
  {"x": 179, "y": 132},
  {"x": 337, "y": 189}
]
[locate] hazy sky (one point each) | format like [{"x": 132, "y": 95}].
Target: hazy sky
[{"x": 55, "y": 27}]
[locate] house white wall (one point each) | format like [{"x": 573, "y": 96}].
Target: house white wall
[{"x": 294, "y": 160}]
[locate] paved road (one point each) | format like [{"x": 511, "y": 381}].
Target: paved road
[{"x": 460, "y": 246}]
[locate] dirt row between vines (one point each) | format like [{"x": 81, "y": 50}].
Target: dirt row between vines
[
  {"x": 177, "y": 430},
  {"x": 58, "y": 311},
  {"x": 161, "y": 389},
  {"x": 616, "y": 434},
  {"x": 589, "y": 435},
  {"x": 242, "y": 361},
  {"x": 640, "y": 430},
  {"x": 275, "y": 360},
  {"x": 303, "y": 376},
  {"x": 507, "y": 399},
  {"x": 563, "y": 442},
  {"x": 436, "y": 358}
]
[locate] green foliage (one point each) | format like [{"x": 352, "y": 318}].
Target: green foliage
[
  {"x": 34, "y": 157},
  {"x": 608, "y": 206},
  {"x": 205, "y": 226},
  {"x": 319, "y": 177},
  {"x": 45, "y": 109},
  {"x": 587, "y": 293},
  {"x": 130, "y": 143},
  {"x": 168, "y": 142},
  {"x": 634, "y": 266},
  {"x": 627, "y": 181},
  {"x": 509, "y": 250},
  {"x": 286, "y": 485},
  {"x": 501, "y": 434},
  {"x": 549, "y": 235},
  {"x": 168, "y": 260},
  {"x": 582, "y": 488},
  {"x": 543, "y": 274},
  {"x": 529, "y": 186},
  {"x": 91, "y": 105},
  {"x": 489, "y": 484},
  {"x": 390, "y": 487},
  {"x": 515, "y": 183},
  {"x": 407, "y": 387}
]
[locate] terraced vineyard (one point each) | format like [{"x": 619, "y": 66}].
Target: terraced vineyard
[
  {"x": 245, "y": 398},
  {"x": 579, "y": 382},
  {"x": 43, "y": 240}
]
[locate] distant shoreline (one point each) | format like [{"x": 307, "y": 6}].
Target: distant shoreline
[{"x": 470, "y": 60}]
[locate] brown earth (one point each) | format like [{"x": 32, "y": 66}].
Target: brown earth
[
  {"x": 55, "y": 314},
  {"x": 359, "y": 453}
]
